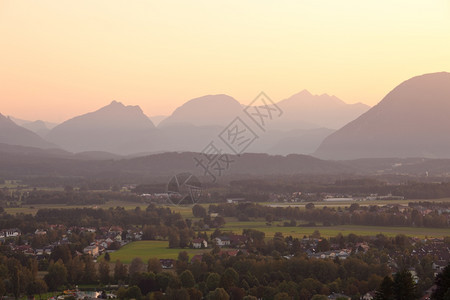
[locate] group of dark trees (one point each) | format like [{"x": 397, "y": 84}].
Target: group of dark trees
[
  {"x": 355, "y": 214},
  {"x": 64, "y": 267},
  {"x": 402, "y": 287},
  {"x": 18, "y": 276},
  {"x": 69, "y": 196}
]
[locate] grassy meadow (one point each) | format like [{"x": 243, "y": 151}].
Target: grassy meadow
[
  {"x": 150, "y": 249},
  {"x": 299, "y": 232}
]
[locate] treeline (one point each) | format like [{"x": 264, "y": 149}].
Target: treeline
[
  {"x": 355, "y": 187},
  {"x": 73, "y": 197},
  {"x": 119, "y": 216},
  {"x": 354, "y": 215},
  {"x": 96, "y": 218}
]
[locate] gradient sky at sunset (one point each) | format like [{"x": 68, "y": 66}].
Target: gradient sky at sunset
[{"x": 62, "y": 58}]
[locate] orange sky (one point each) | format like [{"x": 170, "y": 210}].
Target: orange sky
[{"x": 62, "y": 58}]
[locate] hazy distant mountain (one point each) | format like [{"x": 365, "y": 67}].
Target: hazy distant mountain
[
  {"x": 55, "y": 153},
  {"x": 186, "y": 137},
  {"x": 13, "y": 134},
  {"x": 114, "y": 128},
  {"x": 411, "y": 121},
  {"x": 157, "y": 119},
  {"x": 96, "y": 155},
  {"x": 305, "y": 111},
  {"x": 300, "y": 129},
  {"x": 300, "y": 111},
  {"x": 126, "y": 130},
  {"x": 33, "y": 151},
  {"x": 304, "y": 141},
  {"x": 22, "y": 122},
  {"x": 39, "y": 127},
  {"x": 208, "y": 110}
]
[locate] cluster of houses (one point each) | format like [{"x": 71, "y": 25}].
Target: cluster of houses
[
  {"x": 436, "y": 248},
  {"x": 105, "y": 238},
  {"x": 332, "y": 254}
]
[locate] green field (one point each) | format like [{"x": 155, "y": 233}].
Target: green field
[
  {"x": 299, "y": 232},
  {"x": 150, "y": 249}
]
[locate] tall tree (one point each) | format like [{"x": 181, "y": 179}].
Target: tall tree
[
  {"x": 187, "y": 279},
  {"x": 229, "y": 278},
  {"x": 154, "y": 265},
  {"x": 136, "y": 266},
  {"x": 442, "y": 281},
  {"x": 90, "y": 272},
  {"x": 75, "y": 269},
  {"x": 56, "y": 276},
  {"x": 120, "y": 272},
  {"x": 199, "y": 211},
  {"x": 103, "y": 272},
  {"x": 218, "y": 294},
  {"x": 386, "y": 289},
  {"x": 174, "y": 238},
  {"x": 404, "y": 286},
  {"x": 213, "y": 281}
]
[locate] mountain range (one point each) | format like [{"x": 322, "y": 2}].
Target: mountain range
[
  {"x": 126, "y": 130},
  {"x": 410, "y": 121}
]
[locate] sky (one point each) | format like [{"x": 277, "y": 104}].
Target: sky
[{"x": 61, "y": 58}]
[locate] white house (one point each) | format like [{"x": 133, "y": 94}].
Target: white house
[
  {"x": 13, "y": 232},
  {"x": 199, "y": 243}
]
